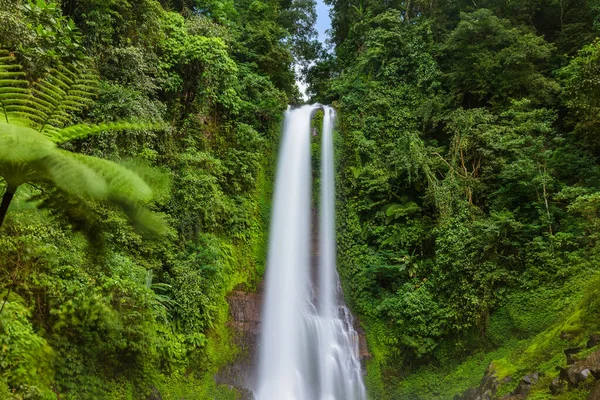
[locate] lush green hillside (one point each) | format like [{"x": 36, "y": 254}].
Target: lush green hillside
[
  {"x": 468, "y": 187},
  {"x": 104, "y": 294}
]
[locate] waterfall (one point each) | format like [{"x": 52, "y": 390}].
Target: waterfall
[
  {"x": 287, "y": 264},
  {"x": 309, "y": 348}
]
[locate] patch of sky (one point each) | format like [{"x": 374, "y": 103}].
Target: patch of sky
[
  {"x": 323, "y": 20},
  {"x": 322, "y": 25}
]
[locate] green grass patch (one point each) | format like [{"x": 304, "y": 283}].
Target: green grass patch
[{"x": 531, "y": 341}]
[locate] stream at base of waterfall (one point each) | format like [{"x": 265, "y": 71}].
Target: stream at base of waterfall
[{"x": 308, "y": 346}]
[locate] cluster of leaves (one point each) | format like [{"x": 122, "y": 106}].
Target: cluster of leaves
[
  {"x": 40, "y": 32},
  {"x": 468, "y": 167}
]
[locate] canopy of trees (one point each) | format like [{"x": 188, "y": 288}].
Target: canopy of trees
[{"x": 468, "y": 185}]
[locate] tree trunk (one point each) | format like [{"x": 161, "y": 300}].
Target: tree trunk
[{"x": 6, "y": 199}]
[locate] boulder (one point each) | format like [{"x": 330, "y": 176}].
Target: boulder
[
  {"x": 573, "y": 376},
  {"x": 581, "y": 370},
  {"x": 592, "y": 363},
  {"x": 524, "y": 387}
]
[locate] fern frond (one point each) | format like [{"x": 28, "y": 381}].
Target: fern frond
[
  {"x": 11, "y": 100},
  {"x": 7, "y": 75},
  {"x": 8, "y": 91},
  {"x": 36, "y": 115},
  {"x": 48, "y": 103},
  {"x": 66, "y": 92},
  {"x": 20, "y": 144},
  {"x": 122, "y": 182},
  {"x": 143, "y": 217},
  {"x": 74, "y": 177},
  {"x": 23, "y": 148},
  {"x": 12, "y": 82},
  {"x": 83, "y": 130},
  {"x": 6, "y": 66},
  {"x": 20, "y": 149},
  {"x": 27, "y": 111}
]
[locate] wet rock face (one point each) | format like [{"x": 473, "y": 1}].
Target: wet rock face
[
  {"x": 363, "y": 349},
  {"x": 245, "y": 309}
]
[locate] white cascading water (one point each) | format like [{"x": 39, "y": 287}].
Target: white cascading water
[
  {"x": 307, "y": 352},
  {"x": 287, "y": 264}
]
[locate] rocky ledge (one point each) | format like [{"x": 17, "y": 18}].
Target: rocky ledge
[{"x": 577, "y": 374}]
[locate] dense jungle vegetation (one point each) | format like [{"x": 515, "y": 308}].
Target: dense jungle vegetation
[
  {"x": 137, "y": 149},
  {"x": 468, "y": 179}
]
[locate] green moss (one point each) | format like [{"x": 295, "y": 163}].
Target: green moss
[
  {"x": 247, "y": 265},
  {"x": 374, "y": 381},
  {"x": 180, "y": 386},
  {"x": 443, "y": 382},
  {"x": 542, "y": 351},
  {"x": 504, "y": 368},
  {"x": 585, "y": 353}
]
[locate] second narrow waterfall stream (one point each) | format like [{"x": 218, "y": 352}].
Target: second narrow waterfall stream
[{"x": 308, "y": 347}]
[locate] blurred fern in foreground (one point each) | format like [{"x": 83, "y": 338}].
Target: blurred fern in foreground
[{"x": 36, "y": 117}]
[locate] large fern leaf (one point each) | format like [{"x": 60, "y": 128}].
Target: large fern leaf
[
  {"x": 64, "y": 92},
  {"x": 69, "y": 174},
  {"x": 122, "y": 182},
  {"x": 47, "y": 104},
  {"x": 14, "y": 88},
  {"x": 20, "y": 144},
  {"x": 84, "y": 130},
  {"x": 20, "y": 150},
  {"x": 36, "y": 118}
]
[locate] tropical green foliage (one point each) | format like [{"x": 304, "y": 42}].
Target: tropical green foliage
[
  {"x": 103, "y": 309},
  {"x": 468, "y": 180},
  {"x": 37, "y": 118},
  {"x": 468, "y": 186}
]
